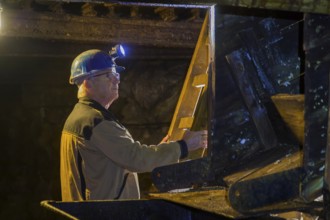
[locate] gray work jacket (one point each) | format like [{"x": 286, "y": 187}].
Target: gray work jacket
[{"x": 99, "y": 157}]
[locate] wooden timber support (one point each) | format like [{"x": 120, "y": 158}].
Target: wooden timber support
[{"x": 51, "y": 26}]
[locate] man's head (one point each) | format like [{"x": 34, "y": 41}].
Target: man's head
[
  {"x": 91, "y": 63},
  {"x": 97, "y": 76}
]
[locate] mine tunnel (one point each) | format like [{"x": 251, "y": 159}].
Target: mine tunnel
[{"x": 254, "y": 74}]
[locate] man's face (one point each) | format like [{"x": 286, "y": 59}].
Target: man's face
[{"x": 106, "y": 86}]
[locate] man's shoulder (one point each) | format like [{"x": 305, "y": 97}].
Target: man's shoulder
[
  {"x": 82, "y": 120},
  {"x": 85, "y": 114}
]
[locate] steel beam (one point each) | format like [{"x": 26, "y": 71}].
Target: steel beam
[{"x": 307, "y": 6}]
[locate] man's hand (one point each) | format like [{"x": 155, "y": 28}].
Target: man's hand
[
  {"x": 165, "y": 139},
  {"x": 195, "y": 139}
]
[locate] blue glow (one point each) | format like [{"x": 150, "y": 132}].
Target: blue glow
[
  {"x": 122, "y": 51},
  {"x": 117, "y": 51}
]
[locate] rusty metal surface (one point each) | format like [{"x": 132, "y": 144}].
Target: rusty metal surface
[
  {"x": 237, "y": 139},
  {"x": 326, "y": 206},
  {"x": 306, "y": 6},
  {"x": 266, "y": 197},
  {"x": 314, "y": 6},
  {"x": 257, "y": 186},
  {"x": 212, "y": 200},
  {"x": 242, "y": 69},
  {"x": 241, "y": 148},
  {"x": 258, "y": 189},
  {"x": 127, "y": 210},
  {"x": 246, "y": 196},
  {"x": 188, "y": 174},
  {"x": 239, "y": 133},
  {"x": 290, "y": 161},
  {"x": 317, "y": 46}
]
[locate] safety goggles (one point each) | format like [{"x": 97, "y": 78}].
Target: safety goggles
[{"x": 109, "y": 73}]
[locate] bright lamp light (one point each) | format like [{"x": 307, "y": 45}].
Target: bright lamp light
[{"x": 117, "y": 51}]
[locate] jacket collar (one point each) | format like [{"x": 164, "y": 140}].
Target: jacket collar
[
  {"x": 105, "y": 112},
  {"x": 94, "y": 104}
]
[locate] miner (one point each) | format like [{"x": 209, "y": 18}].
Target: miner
[{"x": 99, "y": 158}]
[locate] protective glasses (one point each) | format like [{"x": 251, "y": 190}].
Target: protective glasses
[{"x": 109, "y": 74}]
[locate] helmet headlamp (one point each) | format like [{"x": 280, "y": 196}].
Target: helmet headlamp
[{"x": 117, "y": 51}]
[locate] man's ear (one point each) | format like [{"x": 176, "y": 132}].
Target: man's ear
[{"x": 87, "y": 83}]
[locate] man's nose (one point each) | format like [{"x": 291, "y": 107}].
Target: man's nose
[{"x": 117, "y": 77}]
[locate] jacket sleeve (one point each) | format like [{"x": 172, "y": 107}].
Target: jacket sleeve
[{"x": 118, "y": 145}]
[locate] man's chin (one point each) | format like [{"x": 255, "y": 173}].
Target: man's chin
[{"x": 115, "y": 97}]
